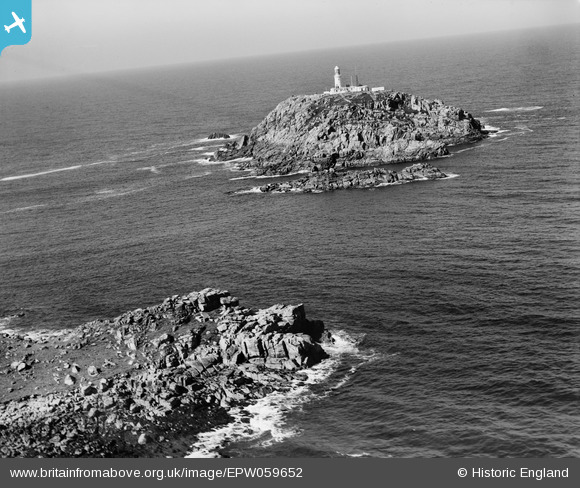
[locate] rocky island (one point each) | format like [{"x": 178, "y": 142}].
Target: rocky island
[
  {"x": 329, "y": 180},
  {"x": 346, "y": 129},
  {"x": 144, "y": 383}
]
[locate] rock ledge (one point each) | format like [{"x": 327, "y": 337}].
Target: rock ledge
[{"x": 144, "y": 383}]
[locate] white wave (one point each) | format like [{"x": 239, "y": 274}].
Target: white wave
[
  {"x": 210, "y": 153},
  {"x": 22, "y": 209},
  {"x": 452, "y": 175},
  {"x": 109, "y": 193},
  {"x": 42, "y": 173},
  {"x": 491, "y": 128},
  {"x": 249, "y": 177},
  {"x": 255, "y": 189},
  {"x": 516, "y": 109},
  {"x": 264, "y": 421},
  {"x": 127, "y": 192},
  {"x": 207, "y": 173},
  {"x": 200, "y": 148},
  {"x": 493, "y": 136},
  {"x": 381, "y": 185},
  {"x": 100, "y": 162},
  {"x": 301, "y": 172},
  {"x": 463, "y": 150},
  {"x": 206, "y": 139},
  {"x": 35, "y": 335},
  {"x": 263, "y": 177},
  {"x": 175, "y": 163},
  {"x": 4, "y": 321},
  {"x": 239, "y": 160},
  {"x": 153, "y": 169},
  {"x": 207, "y": 162},
  {"x": 524, "y": 128}
]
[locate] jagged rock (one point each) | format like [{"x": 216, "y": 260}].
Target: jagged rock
[
  {"x": 104, "y": 384},
  {"x": 232, "y": 355},
  {"x": 218, "y": 135},
  {"x": 319, "y": 132},
  {"x": 162, "y": 339},
  {"x": 108, "y": 401},
  {"x": 144, "y": 439},
  {"x": 87, "y": 390},
  {"x": 93, "y": 370},
  {"x": 330, "y": 180},
  {"x": 93, "y": 412}
]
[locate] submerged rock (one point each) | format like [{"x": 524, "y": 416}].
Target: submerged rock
[{"x": 218, "y": 135}]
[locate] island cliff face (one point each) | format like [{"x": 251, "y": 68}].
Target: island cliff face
[{"x": 318, "y": 132}]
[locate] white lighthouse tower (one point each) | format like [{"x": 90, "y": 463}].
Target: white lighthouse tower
[
  {"x": 337, "y": 82},
  {"x": 338, "y": 88}
]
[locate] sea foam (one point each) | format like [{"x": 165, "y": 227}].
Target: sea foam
[
  {"x": 22, "y": 209},
  {"x": 264, "y": 422},
  {"x": 42, "y": 173},
  {"x": 516, "y": 109}
]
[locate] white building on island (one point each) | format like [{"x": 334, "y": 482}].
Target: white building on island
[{"x": 356, "y": 87}]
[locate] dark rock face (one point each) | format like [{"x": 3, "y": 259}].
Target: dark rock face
[
  {"x": 164, "y": 372},
  {"x": 218, "y": 135},
  {"x": 330, "y": 179},
  {"x": 318, "y": 132}
]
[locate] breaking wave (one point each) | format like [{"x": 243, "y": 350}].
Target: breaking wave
[
  {"x": 516, "y": 109},
  {"x": 42, "y": 173},
  {"x": 264, "y": 422},
  {"x": 22, "y": 209}
]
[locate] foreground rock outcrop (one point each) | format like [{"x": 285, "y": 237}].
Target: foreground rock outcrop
[
  {"x": 145, "y": 382},
  {"x": 329, "y": 180},
  {"x": 318, "y": 132}
]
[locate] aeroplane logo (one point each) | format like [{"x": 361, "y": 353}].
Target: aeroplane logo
[
  {"x": 17, "y": 23},
  {"x": 16, "y": 17}
]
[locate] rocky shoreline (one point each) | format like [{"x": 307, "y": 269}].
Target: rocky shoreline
[
  {"x": 145, "y": 383},
  {"x": 329, "y": 180},
  {"x": 319, "y": 132}
]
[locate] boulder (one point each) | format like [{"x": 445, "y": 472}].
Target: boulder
[{"x": 218, "y": 135}]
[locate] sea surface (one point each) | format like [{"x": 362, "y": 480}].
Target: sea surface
[{"x": 455, "y": 302}]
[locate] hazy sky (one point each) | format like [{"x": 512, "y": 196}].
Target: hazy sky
[{"x": 76, "y": 36}]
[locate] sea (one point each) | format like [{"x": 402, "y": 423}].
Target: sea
[{"x": 455, "y": 303}]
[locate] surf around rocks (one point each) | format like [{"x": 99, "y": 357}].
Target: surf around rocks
[
  {"x": 351, "y": 129},
  {"x": 146, "y": 382},
  {"x": 329, "y": 180}
]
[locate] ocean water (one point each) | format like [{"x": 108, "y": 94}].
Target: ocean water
[{"x": 455, "y": 301}]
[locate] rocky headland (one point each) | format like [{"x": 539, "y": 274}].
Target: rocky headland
[
  {"x": 143, "y": 384},
  {"x": 329, "y": 180},
  {"x": 323, "y": 131}
]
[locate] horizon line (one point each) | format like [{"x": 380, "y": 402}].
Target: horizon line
[{"x": 89, "y": 73}]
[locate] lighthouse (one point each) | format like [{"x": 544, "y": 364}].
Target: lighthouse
[
  {"x": 339, "y": 89},
  {"x": 337, "y": 82}
]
